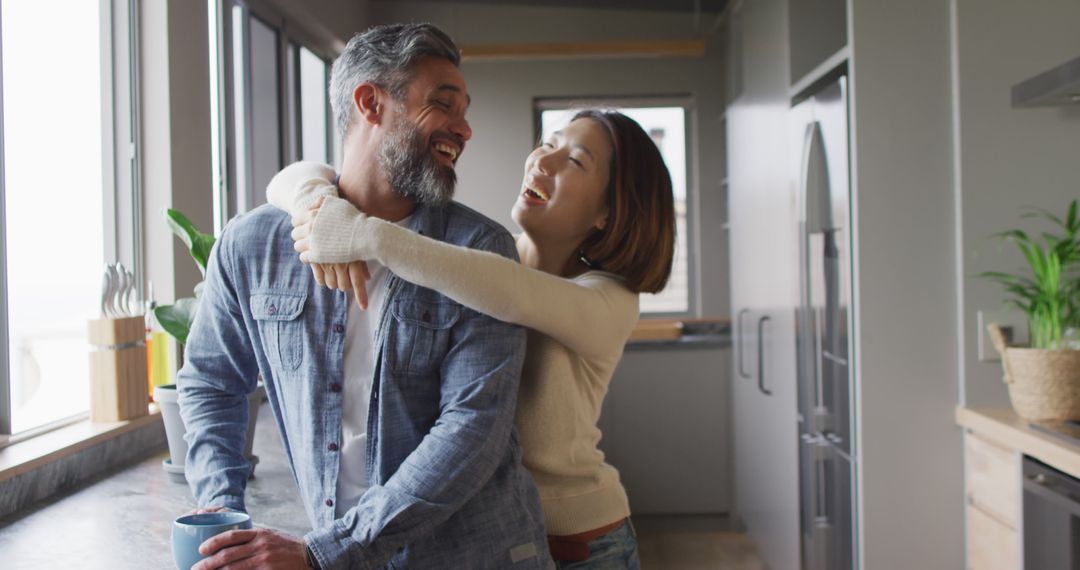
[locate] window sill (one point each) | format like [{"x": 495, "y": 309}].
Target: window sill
[{"x": 36, "y": 452}]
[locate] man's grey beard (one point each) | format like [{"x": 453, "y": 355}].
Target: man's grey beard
[{"x": 411, "y": 167}]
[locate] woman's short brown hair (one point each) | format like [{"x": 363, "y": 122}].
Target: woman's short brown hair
[{"x": 638, "y": 241}]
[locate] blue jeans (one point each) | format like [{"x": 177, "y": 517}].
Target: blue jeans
[{"x": 616, "y": 550}]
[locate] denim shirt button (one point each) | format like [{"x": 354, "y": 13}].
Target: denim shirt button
[
  {"x": 332, "y": 447},
  {"x": 335, "y": 387},
  {"x": 272, "y": 310},
  {"x": 329, "y": 502},
  {"x": 339, "y": 329},
  {"x": 427, "y": 317}
]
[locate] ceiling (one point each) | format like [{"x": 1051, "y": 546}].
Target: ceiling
[{"x": 707, "y": 6}]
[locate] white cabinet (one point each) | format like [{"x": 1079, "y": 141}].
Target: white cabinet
[
  {"x": 903, "y": 271},
  {"x": 764, "y": 283},
  {"x": 993, "y": 505},
  {"x": 766, "y": 436}
]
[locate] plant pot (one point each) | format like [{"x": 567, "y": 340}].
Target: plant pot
[
  {"x": 166, "y": 398},
  {"x": 1043, "y": 384}
]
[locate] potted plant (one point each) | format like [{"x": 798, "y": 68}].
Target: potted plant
[
  {"x": 176, "y": 320},
  {"x": 1044, "y": 379}
]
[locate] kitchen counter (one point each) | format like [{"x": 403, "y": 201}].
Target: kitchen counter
[
  {"x": 1003, "y": 426},
  {"x": 684, "y": 334},
  {"x": 124, "y": 520}
]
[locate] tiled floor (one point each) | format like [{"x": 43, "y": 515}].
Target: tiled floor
[{"x": 693, "y": 543}]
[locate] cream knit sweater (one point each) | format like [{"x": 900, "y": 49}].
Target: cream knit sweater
[{"x": 578, "y": 328}]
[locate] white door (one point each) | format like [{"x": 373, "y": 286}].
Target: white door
[{"x": 764, "y": 287}]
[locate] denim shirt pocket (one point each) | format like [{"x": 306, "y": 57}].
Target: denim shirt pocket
[
  {"x": 277, "y": 315},
  {"x": 420, "y": 335}
]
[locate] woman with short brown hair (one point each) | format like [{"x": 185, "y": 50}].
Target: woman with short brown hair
[{"x": 598, "y": 220}]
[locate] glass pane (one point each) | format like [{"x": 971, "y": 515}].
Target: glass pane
[
  {"x": 292, "y": 111},
  {"x": 313, "y": 102},
  {"x": 238, "y": 199},
  {"x": 54, "y": 202},
  {"x": 667, "y": 127},
  {"x": 265, "y": 125}
]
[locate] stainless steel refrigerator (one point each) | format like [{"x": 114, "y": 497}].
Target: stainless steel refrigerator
[{"x": 826, "y": 450}]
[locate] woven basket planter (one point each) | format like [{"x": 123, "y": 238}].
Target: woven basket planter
[{"x": 1043, "y": 384}]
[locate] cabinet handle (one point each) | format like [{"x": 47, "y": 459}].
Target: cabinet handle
[
  {"x": 739, "y": 360},
  {"x": 761, "y": 355}
]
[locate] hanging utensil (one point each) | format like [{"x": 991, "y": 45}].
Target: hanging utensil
[
  {"x": 121, "y": 292},
  {"x": 114, "y": 284},
  {"x": 132, "y": 297},
  {"x": 106, "y": 291}
]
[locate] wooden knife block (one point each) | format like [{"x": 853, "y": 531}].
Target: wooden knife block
[{"x": 118, "y": 387}]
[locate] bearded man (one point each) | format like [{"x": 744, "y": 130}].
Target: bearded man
[{"x": 397, "y": 420}]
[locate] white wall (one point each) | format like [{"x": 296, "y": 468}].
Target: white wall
[
  {"x": 490, "y": 171},
  {"x": 1008, "y": 158},
  {"x": 905, "y": 299}
]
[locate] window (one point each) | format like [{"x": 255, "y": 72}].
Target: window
[
  {"x": 269, "y": 102},
  {"x": 665, "y": 121},
  {"x": 67, "y": 201}
]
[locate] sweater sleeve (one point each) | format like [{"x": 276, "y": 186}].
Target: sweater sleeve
[
  {"x": 298, "y": 186},
  {"x": 592, "y": 314}
]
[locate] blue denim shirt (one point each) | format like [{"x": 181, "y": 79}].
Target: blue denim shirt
[{"x": 447, "y": 485}]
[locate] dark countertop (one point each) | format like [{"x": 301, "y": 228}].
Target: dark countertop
[
  {"x": 125, "y": 519},
  {"x": 699, "y": 334},
  {"x": 685, "y": 342}
]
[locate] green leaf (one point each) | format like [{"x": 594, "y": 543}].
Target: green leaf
[
  {"x": 198, "y": 243},
  {"x": 176, "y": 319},
  {"x": 1050, "y": 297},
  {"x": 1044, "y": 214}
]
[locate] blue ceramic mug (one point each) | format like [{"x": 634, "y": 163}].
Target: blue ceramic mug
[{"x": 190, "y": 531}]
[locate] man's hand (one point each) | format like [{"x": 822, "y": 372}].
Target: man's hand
[
  {"x": 250, "y": 549},
  {"x": 346, "y": 277}
]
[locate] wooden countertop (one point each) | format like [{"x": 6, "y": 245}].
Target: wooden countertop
[{"x": 1004, "y": 427}]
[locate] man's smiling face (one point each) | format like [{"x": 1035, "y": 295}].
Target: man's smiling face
[{"x": 427, "y": 133}]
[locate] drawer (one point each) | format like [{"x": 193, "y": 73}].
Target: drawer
[
  {"x": 990, "y": 544},
  {"x": 993, "y": 479}
]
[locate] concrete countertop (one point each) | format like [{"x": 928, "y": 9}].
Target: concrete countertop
[{"x": 125, "y": 519}]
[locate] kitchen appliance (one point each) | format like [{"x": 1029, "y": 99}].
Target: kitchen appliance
[
  {"x": 824, "y": 373},
  {"x": 1054, "y": 87},
  {"x": 1051, "y": 518}
]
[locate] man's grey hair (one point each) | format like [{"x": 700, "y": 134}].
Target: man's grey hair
[{"x": 384, "y": 55}]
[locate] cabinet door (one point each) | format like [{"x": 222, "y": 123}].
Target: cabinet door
[
  {"x": 764, "y": 284},
  {"x": 993, "y": 479},
  {"x": 766, "y": 442},
  {"x": 667, "y": 429},
  {"x": 990, "y": 544}
]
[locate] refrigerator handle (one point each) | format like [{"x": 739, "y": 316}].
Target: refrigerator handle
[
  {"x": 740, "y": 339},
  {"x": 761, "y": 355}
]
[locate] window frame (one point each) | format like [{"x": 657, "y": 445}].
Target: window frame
[
  {"x": 231, "y": 103},
  {"x": 689, "y": 107},
  {"x": 122, "y": 202}
]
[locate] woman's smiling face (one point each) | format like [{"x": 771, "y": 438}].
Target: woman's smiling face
[{"x": 563, "y": 194}]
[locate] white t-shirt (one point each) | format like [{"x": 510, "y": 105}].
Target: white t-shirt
[{"x": 359, "y": 372}]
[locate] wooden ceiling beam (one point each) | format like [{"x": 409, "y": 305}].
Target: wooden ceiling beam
[{"x": 586, "y": 50}]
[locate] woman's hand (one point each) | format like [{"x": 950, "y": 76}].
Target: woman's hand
[{"x": 346, "y": 277}]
